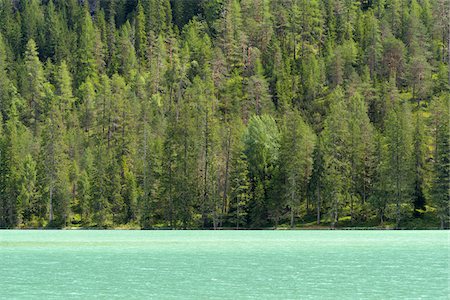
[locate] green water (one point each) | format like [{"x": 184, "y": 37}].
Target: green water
[{"x": 224, "y": 264}]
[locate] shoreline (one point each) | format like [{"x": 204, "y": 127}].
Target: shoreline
[{"x": 312, "y": 228}]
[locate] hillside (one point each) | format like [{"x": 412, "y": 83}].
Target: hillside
[{"x": 224, "y": 113}]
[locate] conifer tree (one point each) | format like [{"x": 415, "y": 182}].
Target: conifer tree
[
  {"x": 441, "y": 168},
  {"x": 419, "y": 155},
  {"x": 6, "y": 87},
  {"x": 86, "y": 47},
  {"x": 361, "y": 146},
  {"x": 33, "y": 85},
  {"x": 140, "y": 43},
  {"x": 296, "y": 160},
  {"x": 54, "y": 166},
  {"x": 66, "y": 101},
  {"x": 28, "y": 194},
  {"x": 262, "y": 141},
  {"x": 337, "y": 166},
  {"x": 398, "y": 134},
  {"x": 239, "y": 184}
]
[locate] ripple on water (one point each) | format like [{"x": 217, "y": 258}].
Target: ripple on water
[{"x": 225, "y": 264}]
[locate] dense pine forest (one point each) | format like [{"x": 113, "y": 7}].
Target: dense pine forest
[{"x": 224, "y": 113}]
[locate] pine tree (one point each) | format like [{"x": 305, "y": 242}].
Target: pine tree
[
  {"x": 86, "y": 47},
  {"x": 380, "y": 196},
  {"x": 28, "y": 194},
  {"x": 398, "y": 134},
  {"x": 420, "y": 77},
  {"x": 393, "y": 57},
  {"x": 371, "y": 44},
  {"x": 100, "y": 207},
  {"x": 53, "y": 164},
  {"x": 361, "y": 148},
  {"x": 337, "y": 165},
  {"x": 316, "y": 183},
  {"x": 59, "y": 38},
  {"x": 233, "y": 39},
  {"x": 240, "y": 190},
  {"x": 126, "y": 55},
  {"x": 33, "y": 85},
  {"x": 6, "y": 87},
  {"x": 87, "y": 107},
  {"x": 257, "y": 21},
  {"x": 66, "y": 99},
  {"x": 441, "y": 168},
  {"x": 15, "y": 147},
  {"x": 296, "y": 160},
  {"x": 129, "y": 193},
  {"x": 419, "y": 154},
  {"x": 262, "y": 143},
  {"x": 140, "y": 43},
  {"x": 257, "y": 88},
  {"x": 33, "y": 27}
]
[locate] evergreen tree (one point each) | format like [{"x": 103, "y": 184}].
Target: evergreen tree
[
  {"x": 361, "y": 147},
  {"x": 33, "y": 86},
  {"x": 54, "y": 166},
  {"x": 239, "y": 183},
  {"x": 140, "y": 43},
  {"x": 126, "y": 55},
  {"x": 337, "y": 165},
  {"x": 28, "y": 195},
  {"x": 371, "y": 44},
  {"x": 66, "y": 99},
  {"x": 257, "y": 88},
  {"x": 316, "y": 183},
  {"x": 86, "y": 47},
  {"x": 399, "y": 157},
  {"x": 296, "y": 160},
  {"x": 262, "y": 142},
  {"x": 441, "y": 170},
  {"x": 6, "y": 88},
  {"x": 419, "y": 154}
]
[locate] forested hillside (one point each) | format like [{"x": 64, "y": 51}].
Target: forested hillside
[{"x": 224, "y": 113}]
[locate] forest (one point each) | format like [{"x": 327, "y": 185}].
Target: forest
[{"x": 194, "y": 114}]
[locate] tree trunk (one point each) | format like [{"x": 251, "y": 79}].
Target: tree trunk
[
  {"x": 318, "y": 205},
  {"x": 307, "y": 206},
  {"x": 335, "y": 212},
  {"x": 237, "y": 214},
  {"x": 352, "y": 212},
  {"x": 205, "y": 175},
  {"x": 51, "y": 204},
  {"x": 11, "y": 212},
  {"x": 225, "y": 185},
  {"x": 292, "y": 218},
  {"x": 170, "y": 196}
]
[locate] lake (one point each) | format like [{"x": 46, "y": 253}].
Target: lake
[{"x": 224, "y": 264}]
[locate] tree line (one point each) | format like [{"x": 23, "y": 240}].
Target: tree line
[{"x": 224, "y": 113}]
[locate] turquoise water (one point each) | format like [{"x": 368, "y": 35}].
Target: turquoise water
[{"x": 224, "y": 264}]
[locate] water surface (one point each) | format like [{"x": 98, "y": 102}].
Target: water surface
[{"x": 224, "y": 264}]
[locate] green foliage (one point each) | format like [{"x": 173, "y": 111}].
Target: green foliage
[
  {"x": 192, "y": 114},
  {"x": 441, "y": 167},
  {"x": 336, "y": 155},
  {"x": 399, "y": 158},
  {"x": 262, "y": 144},
  {"x": 296, "y": 160}
]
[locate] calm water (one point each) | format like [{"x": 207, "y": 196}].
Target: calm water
[{"x": 225, "y": 264}]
